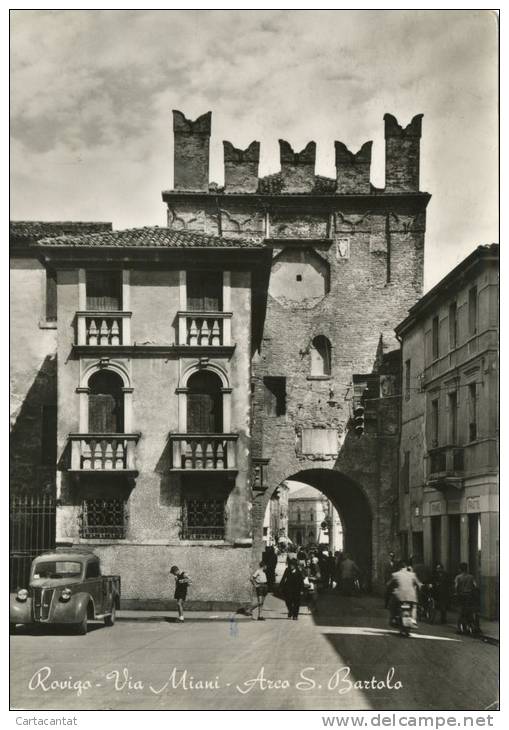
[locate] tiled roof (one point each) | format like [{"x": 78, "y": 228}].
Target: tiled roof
[
  {"x": 306, "y": 492},
  {"x": 150, "y": 237},
  {"x": 23, "y": 233}
]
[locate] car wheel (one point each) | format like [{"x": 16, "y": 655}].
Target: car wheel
[
  {"x": 12, "y": 629},
  {"x": 110, "y": 620},
  {"x": 81, "y": 628}
]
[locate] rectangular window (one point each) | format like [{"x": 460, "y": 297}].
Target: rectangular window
[
  {"x": 103, "y": 519},
  {"x": 453, "y": 326},
  {"x": 453, "y": 418},
  {"x": 49, "y": 435},
  {"x": 405, "y": 473},
  {"x": 407, "y": 379},
  {"x": 472, "y": 311},
  {"x": 104, "y": 291},
  {"x": 204, "y": 291},
  {"x": 472, "y": 404},
  {"x": 275, "y": 396},
  {"x": 434, "y": 423},
  {"x": 51, "y": 296},
  {"x": 434, "y": 338},
  {"x": 203, "y": 519}
]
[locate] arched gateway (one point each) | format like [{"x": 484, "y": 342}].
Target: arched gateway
[{"x": 353, "y": 506}]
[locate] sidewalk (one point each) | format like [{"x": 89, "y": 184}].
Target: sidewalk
[{"x": 171, "y": 616}]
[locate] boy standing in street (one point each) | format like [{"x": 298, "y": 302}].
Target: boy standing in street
[
  {"x": 182, "y": 582},
  {"x": 259, "y": 581}
]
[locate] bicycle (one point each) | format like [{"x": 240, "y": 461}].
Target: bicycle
[{"x": 426, "y": 608}]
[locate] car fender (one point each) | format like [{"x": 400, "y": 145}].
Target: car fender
[
  {"x": 74, "y": 610},
  {"x": 20, "y": 612}
]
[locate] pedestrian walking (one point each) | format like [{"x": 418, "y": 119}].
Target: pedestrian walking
[
  {"x": 291, "y": 586},
  {"x": 465, "y": 588},
  {"x": 441, "y": 591},
  {"x": 259, "y": 581},
  {"x": 182, "y": 582},
  {"x": 270, "y": 560},
  {"x": 349, "y": 574}
]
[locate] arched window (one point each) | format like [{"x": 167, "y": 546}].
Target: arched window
[
  {"x": 204, "y": 403},
  {"x": 105, "y": 403},
  {"x": 320, "y": 356}
]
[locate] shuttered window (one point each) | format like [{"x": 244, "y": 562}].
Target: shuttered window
[
  {"x": 205, "y": 291},
  {"x": 104, "y": 291},
  {"x": 51, "y": 295},
  {"x": 105, "y": 403},
  {"x": 204, "y": 404}
]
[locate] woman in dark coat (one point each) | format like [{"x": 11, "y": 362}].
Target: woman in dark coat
[
  {"x": 441, "y": 591},
  {"x": 291, "y": 588}
]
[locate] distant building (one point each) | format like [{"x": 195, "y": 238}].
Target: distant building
[
  {"x": 449, "y": 430},
  {"x": 312, "y": 519}
]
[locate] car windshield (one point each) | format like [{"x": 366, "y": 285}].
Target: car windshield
[{"x": 57, "y": 569}]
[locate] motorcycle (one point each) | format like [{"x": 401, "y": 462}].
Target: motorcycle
[{"x": 405, "y": 618}]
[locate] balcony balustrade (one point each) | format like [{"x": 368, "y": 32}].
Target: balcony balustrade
[
  {"x": 445, "y": 461},
  {"x": 103, "y": 452},
  {"x": 198, "y": 452},
  {"x": 103, "y": 329},
  {"x": 204, "y": 329}
]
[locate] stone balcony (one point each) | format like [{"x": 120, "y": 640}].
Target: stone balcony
[
  {"x": 103, "y": 329},
  {"x": 204, "y": 329},
  {"x": 103, "y": 452},
  {"x": 203, "y": 452}
]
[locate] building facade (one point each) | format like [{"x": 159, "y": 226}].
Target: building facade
[
  {"x": 312, "y": 520},
  {"x": 448, "y": 502}
]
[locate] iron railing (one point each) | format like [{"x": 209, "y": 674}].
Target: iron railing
[
  {"x": 32, "y": 531},
  {"x": 104, "y": 519}
]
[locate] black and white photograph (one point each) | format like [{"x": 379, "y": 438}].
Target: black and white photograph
[{"x": 254, "y": 362}]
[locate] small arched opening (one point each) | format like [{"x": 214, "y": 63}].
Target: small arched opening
[{"x": 321, "y": 356}]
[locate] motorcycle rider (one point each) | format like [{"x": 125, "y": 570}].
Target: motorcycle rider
[{"x": 404, "y": 586}]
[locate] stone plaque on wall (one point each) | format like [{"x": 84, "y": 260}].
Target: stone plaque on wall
[
  {"x": 473, "y": 504},
  {"x": 319, "y": 441},
  {"x": 435, "y": 508},
  {"x": 342, "y": 248}
]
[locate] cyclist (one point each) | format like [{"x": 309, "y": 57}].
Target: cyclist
[{"x": 441, "y": 591}]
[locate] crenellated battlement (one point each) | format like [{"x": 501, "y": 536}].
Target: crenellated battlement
[
  {"x": 297, "y": 174},
  {"x": 353, "y": 169},
  {"x": 297, "y": 168},
  {"x": 394, "y": 129},
  {"x": 241, "y": 168}
]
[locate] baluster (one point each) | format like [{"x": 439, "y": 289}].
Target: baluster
[
  {"x": 198, "y": 458},
  {"x": 104, "y": 334},
  {"x": 216, "y": 333},
  {"x": 92, "y": 333},
  {"x": 115, "y": 333},
  {"x": 119, "y": 456},
  {"x": 204, "y": 334},
  {"x": 108, "y": 456},
  {"x": 193, "y": 333},
  {"x": 86, "y": 455},
  {"x": 220, "y": 464},
  {"x": 95, "y": 447},
  {"x": 209, "y": 455}
]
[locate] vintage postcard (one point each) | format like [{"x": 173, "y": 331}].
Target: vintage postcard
[{"x": 254, "y": 361}]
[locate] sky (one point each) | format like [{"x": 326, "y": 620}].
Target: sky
[{"x": 92, "y": 93}]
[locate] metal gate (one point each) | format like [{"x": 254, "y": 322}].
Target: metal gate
[{"x": 32, "y": 531}]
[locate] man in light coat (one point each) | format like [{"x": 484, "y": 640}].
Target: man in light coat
[{"x": 404, "y": 585}]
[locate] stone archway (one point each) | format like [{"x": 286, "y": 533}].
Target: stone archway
[{"x": 353, "y": 507}]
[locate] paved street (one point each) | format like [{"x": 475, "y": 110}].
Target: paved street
[{"x": 142, "y": 663}]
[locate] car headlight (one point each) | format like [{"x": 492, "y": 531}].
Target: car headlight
[
  {"x": 22, "y": 594},
  {"x": 66, "y": 594}
]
